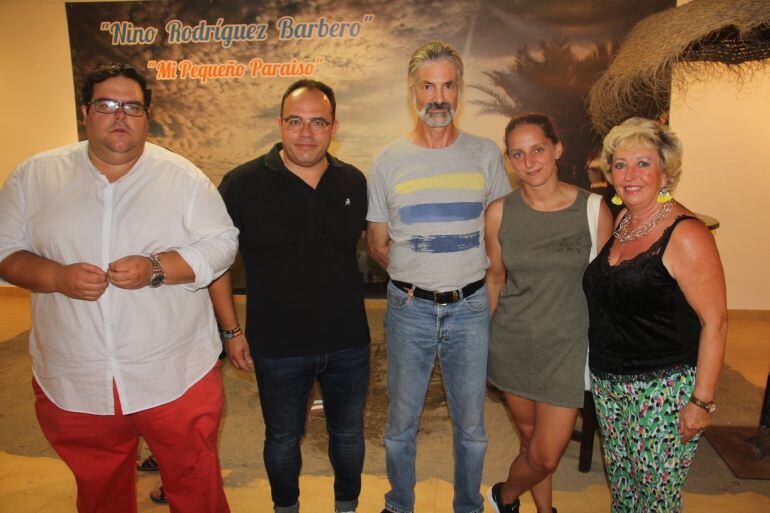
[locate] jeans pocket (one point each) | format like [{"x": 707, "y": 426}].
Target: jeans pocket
[
  {"x": 397, "y": 298},
  {"x": 478, "y": 301}
]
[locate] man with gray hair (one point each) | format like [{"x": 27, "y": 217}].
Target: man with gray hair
[{"x": 427, "y": 196}]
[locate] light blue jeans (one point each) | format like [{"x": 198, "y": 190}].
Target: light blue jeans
[{"x": 417, "y": 330}]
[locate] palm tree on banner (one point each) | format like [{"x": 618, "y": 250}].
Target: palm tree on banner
[{"x": 551, "y": 79}]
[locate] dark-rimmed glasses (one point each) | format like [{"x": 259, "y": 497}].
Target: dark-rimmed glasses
[
  {"x": 295, "y": 124},
  {"x": 110, "y": 106}
]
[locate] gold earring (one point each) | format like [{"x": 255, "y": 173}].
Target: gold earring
[
  {"x": 616, "y": 200},
  {"x": 664, "y": 196}
]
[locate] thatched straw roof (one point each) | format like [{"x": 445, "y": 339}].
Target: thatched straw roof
[{"x": 723, "y": 32}]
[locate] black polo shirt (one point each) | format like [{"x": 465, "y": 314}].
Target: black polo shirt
[{"x": 298, "y": 244}]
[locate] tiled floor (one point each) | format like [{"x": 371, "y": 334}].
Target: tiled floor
[{"x": 44, "y": 485}]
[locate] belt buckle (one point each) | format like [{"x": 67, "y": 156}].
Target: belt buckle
[{"x": 437, "y": 297}]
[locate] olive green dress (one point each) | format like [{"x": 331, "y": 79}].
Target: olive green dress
[{"x": 539, "y": 332}]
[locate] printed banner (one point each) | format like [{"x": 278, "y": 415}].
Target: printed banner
[{"x": 218, "y": 69}]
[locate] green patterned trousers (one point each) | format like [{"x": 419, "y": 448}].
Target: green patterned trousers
[{"x": 646, "y": 461}]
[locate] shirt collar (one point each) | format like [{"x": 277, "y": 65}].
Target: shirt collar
[
  {"x": 97, "y": 174},
  {"x": 274, "y": 161}
]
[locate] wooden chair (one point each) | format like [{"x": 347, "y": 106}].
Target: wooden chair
[{"x": 585, "y": 435}]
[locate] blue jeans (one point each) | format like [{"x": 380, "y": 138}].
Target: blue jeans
[
  {"x": 284, "y": 391},
  {"x": 417, "y": 330}
]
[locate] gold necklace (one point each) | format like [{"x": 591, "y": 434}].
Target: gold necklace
[{"x": 624, "y": 235}]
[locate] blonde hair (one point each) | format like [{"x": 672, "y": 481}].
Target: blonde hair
[
  {"x": 641, "y": 132},
  {"x": 434, "y": 51}
]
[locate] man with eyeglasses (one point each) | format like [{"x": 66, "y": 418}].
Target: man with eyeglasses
[
  {"x": 117, "y": 239},
  {"x": 300, "y": 212},
  {"x": 427, "y": 196}
]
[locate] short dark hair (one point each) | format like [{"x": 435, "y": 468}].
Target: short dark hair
[
  {"x": 544, "y": 121},
  {"x": 311, "y": 84},
  {"x": 102, "y": 73}
]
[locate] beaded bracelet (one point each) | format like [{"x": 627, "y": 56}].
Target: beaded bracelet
[{"x": 230, "y": 334}]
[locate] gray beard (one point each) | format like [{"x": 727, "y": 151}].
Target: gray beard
[{"x": 436, "y": 120}]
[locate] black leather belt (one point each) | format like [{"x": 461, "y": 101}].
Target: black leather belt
[{"x": 441, "y": 298}]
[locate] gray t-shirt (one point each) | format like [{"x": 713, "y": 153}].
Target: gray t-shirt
[{"x": 433, "y": 201}]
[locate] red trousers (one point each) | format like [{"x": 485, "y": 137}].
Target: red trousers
[{"x": 101, "y": 449}]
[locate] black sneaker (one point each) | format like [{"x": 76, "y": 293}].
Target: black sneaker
[
  {"x": 495, "y": 497},
  {"x": 148, "y": 465},
  {"x": 159, "y": 496}
]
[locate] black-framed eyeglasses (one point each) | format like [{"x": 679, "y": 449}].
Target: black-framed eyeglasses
[
  {"x": 109, "y": 106},
  {"x": 295, "y": 124}
]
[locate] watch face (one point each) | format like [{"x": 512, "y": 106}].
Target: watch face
[{"x": 158, "y": 277}]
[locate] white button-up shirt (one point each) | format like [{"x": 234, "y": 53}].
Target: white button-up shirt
[{"x": 153, "y": 342}]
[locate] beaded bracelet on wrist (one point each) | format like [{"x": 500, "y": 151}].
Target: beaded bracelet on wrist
[{"x": 230, "y": 334}]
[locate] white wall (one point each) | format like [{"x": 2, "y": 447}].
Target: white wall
[
  {"x": 36, "y": 92},
  {"x": 725, "y": 130}
]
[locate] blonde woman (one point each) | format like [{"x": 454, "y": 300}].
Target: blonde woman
[{"x": 656, "y": 297}]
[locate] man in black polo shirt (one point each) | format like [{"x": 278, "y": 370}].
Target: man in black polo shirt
[{"x": 300, "y": 213}]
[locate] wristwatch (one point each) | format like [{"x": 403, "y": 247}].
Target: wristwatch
[
  {"x": 158, "y": 276},
  {"x": 710, "y": 406}
]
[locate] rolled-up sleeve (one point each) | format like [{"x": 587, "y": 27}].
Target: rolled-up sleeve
[
  {"x": 13, "y": 218},
  {"x": 215, "y": 242}
]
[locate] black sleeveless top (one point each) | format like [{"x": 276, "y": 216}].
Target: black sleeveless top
[{"x": 640, "y": 321}]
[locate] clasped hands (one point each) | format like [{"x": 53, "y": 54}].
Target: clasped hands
[{"x": 88, "y": 282}]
